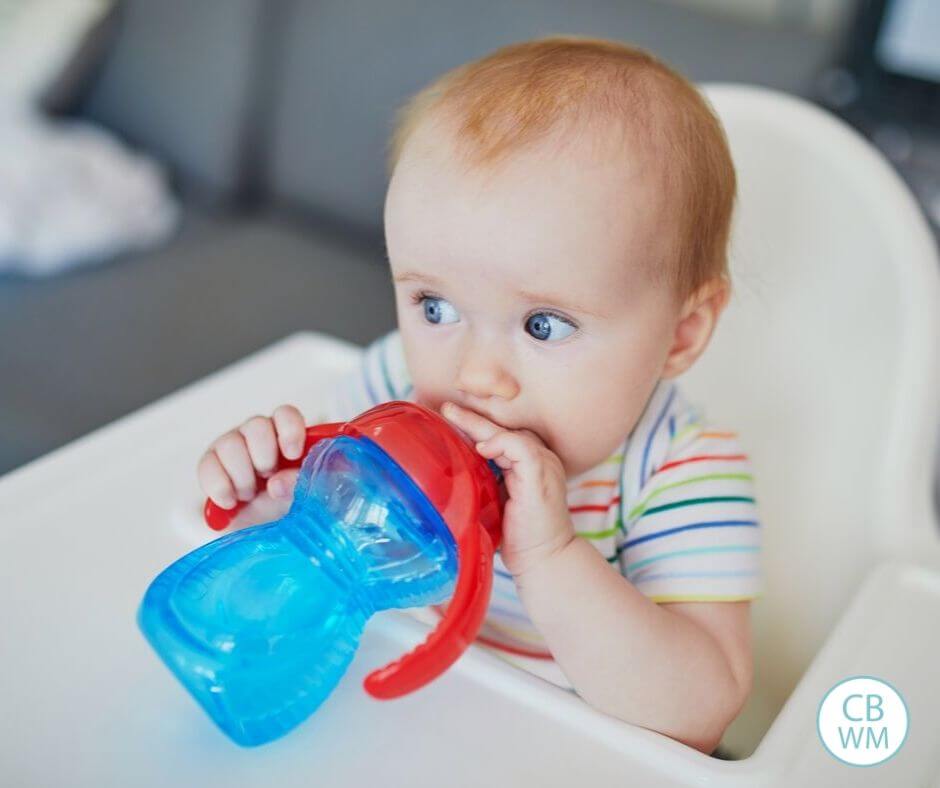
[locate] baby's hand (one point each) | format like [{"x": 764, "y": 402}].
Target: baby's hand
[
  {"x": 227, "y": 469},
  {"x": 536, "y": 521}
]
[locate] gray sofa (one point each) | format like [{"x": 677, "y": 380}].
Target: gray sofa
[{"x": 273, "y": 116}]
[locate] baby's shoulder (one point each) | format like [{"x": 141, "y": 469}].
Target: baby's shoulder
[
  {"x": 675, "y": 437},
  {"x": 384, "y": 369},
  {"x": 380, "y": 376}
]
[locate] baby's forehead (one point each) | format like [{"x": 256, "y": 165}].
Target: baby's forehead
[
  {"x": 541, "y": 253},
  {"x": 605, "y": 170},
  {"x": 576, "y": 199}
]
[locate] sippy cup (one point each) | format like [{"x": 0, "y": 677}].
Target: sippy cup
[{"x": 393, "y": 509}]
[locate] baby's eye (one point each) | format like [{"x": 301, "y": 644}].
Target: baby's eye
[
  {"x": 544, "y": 325},
  {"x": 438, "y": 310}
]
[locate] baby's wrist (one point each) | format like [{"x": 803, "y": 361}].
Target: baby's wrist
[{"x": 542, "y": 560}]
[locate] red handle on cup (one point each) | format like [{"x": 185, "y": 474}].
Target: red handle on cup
[
  {"x": 455, "y": 631},
  {"x": 459, "y": 484}
]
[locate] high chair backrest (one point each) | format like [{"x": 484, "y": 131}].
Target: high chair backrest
[{"x": 827, "y": 363}]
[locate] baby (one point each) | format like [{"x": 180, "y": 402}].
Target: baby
[{"x": 557, "y": 223}]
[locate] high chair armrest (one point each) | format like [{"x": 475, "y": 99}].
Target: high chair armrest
[{"x": 889, "y": 631}]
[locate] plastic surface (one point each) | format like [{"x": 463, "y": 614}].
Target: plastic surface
[{"x": 260, "y": 625}]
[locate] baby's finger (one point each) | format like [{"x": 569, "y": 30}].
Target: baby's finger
[
  {"x": 281, "y": 484},
  {"x": 491, "y": 450},
  {"x": 478, "y": 427},
  {"x": 291, "y": 431},
  {"x": 233, "y": 454},
  {"x": 262, "y": 444},
  {"x": 513, "y": 450},
  {"x": 214, "y": 481}
]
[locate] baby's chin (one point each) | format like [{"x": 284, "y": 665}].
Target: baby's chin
[
  {"x": 573, "y": 468},
  {"x": 577, "y": 465}
]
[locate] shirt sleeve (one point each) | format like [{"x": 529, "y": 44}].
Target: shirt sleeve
[
  {"x": 381, "y": 376},
  {"x": 692, "y": 533}
]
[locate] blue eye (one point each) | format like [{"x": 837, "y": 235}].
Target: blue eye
[
  {"x": 437, "y": 310},
  {"x": 544, "y": 325}
]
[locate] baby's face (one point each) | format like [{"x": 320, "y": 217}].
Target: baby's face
[{"x": 522, "y": 294}]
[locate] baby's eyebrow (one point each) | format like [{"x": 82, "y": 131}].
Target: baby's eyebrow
[
  {"x": 414, "y": 276},
  {"x": 560, "y": 302}
]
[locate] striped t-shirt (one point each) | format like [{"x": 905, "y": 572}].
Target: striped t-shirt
[{"x": 672, "y": 508}]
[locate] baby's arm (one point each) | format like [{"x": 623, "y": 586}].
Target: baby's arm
[{"x": 683, "y": 668}]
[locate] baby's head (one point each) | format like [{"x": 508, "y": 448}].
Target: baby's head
[{"x": 557, "y": 223}]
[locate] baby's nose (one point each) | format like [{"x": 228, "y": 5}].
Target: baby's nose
[{"x": 481, "y": 374}]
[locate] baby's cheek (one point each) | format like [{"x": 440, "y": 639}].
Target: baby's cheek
[
  {"x": 586, "y": 442},
  {"x": 427, "y": 376},
  {"x": 432, "y": 399}
]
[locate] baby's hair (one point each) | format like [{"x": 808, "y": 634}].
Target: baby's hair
[{"x": 517, "y": 95}]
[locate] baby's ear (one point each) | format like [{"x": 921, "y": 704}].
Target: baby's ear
[{"x": 697, "y": 320}]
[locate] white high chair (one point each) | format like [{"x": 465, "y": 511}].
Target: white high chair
[{"x": 826, "y": 362}]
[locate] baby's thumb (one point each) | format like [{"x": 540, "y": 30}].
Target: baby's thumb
[{"x": 281, "y": 484}]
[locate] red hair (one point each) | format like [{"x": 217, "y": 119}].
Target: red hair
[{"x": 520, "y": 93}]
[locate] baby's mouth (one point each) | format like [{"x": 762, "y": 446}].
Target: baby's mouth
[
  {"x": 487, "y": 416},
  {"x": 502, "y": 424},
  {"x": 481, "y": 412}
]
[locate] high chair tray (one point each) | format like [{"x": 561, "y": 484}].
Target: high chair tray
[{"x": 85, "y": 702}]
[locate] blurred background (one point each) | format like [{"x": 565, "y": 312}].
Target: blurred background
[{"x": 183, "y": 183}]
